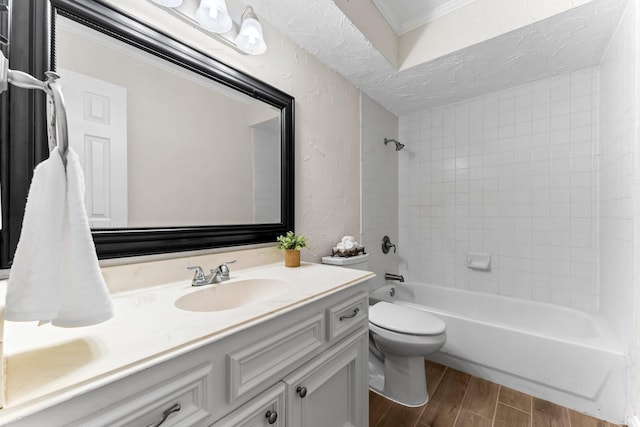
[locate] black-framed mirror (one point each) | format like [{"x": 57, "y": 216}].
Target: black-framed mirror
[{"x": 139, "y": 233}]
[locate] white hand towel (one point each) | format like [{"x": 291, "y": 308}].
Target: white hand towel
[
  {"x": 84, "y": 296},
  {"x": 55, "y": 274},
  {"x": 346, "y": 239},
  {"x": 32, "y": 291}
]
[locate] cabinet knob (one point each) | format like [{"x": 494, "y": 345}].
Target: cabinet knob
[
  {"x": 272, "y": 416},
  {"x": 302, "y": 391}
]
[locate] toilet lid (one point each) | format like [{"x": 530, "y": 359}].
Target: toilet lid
[{"x": 405, "y": 320}]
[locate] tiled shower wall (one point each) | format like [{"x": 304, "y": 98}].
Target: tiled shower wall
[
  {"x": 618, "y": 109},
  {"x": 379, "y": 186},
  {"x": 511, "y": 174}
]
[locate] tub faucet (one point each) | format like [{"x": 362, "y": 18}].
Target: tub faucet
[{"x": 392, "y": 276}]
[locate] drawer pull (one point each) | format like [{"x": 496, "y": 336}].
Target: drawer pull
[
  {"x": 175, "y": 408},
  {"x": 350, "y": 316},
  {"x": 302, "y": 391},
  {"x": 272, "y": 416}
]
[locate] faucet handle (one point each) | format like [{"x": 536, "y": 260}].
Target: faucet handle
[
  {"x": 223, "y": 267},
  {"x": 199, "y": 277},
  {"x": 220, "y": 273}
]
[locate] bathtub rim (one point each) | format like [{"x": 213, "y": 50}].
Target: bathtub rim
[{"x": 603, "y": 338}]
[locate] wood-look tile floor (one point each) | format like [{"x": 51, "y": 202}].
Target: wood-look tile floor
[{"x": 457, "y": 399}]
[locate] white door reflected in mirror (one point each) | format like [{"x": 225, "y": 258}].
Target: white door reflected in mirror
[{"x": 97, "y": 119}]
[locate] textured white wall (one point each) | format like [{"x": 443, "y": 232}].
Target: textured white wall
[
  {"x": 379, "y": 186},
  {"x": 511, "y": 174},
  {"x": 327, "y": 119}
]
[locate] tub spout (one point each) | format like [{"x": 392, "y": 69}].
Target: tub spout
[{"x": 392, "y": 276}]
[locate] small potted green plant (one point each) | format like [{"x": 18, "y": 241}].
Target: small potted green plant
[{"x": 291, "y": 244}]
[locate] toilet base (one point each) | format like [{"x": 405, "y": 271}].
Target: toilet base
[{"x": 403, "y": 380}]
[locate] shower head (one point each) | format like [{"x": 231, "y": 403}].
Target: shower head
[{"x": 399, "y": 145}]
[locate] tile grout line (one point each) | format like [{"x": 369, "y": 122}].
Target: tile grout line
[
  {"x": 383, "y": 414},
  {"x": 517, "y": 409},
  {"x": 531, "y": 411},
  {"x": 466, "y": 390},
  {"x": 429, "y": 395},
  {"x": 495, "y": 409}
]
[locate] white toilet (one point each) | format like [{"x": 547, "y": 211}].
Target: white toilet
[{"x": 399, "y": 339}]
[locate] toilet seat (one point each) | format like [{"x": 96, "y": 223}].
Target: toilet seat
[{"x": 405, "y": 320}]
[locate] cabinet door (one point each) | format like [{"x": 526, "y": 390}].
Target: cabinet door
[
  {"x": 266, "y": 410},
  {"x": 331, "y": 390}
]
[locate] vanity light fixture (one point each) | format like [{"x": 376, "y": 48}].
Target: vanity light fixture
[
  {"x": 212, "y": 17},
  {"x": 250, "y": 38}
]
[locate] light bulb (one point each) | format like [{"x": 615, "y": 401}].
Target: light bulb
[
  {"x": 250, "y": 38},
  {"x": 213, "y": 16},
  {"x": 168, "y": 3}
]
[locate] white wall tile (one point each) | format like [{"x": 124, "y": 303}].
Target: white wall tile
[
  {"x": 617, "y": 142},
  {"x": 512, "y": 191}
]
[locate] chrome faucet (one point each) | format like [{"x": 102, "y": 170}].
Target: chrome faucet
[
  {"x": 199, "y": 277},
  {"x": 220, "y": 274}
]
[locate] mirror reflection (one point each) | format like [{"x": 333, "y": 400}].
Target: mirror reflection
[{"x": 162, "y": 146}]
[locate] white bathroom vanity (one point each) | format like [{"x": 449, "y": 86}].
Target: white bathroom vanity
[{"x": 294, "y": 356}]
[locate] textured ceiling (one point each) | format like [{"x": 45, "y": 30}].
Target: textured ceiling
[
  {"x": 569, "y": 41},
  {"x": 405, "y": 15}
]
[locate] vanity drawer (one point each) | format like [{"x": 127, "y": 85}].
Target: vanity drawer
[
  {"x": 266, "y": 409},
  {"x": 262, "y": 363},
  {"x": 346, "y": 316},
  {"x": 190, "y": 389}
]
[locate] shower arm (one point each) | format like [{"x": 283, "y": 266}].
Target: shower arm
[{"x": 399, "y": 145}]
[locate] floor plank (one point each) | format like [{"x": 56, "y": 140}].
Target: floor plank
[
  {"x": 378, "y": 406},
  {"x": 515, "y": 399},
  {"x": 581, "y": 420},
  {"x": 547, "y": 414},
  {"x": 434, "y": 373},
  {"x": 481, "y": 397},
  {"x": 469, "y": 419},
  {"x": 443, "y": 407},
  {"x": 507, "y": 416},
  {"x": 400, "y": 416},
  {"x": 461, "y": 400}
]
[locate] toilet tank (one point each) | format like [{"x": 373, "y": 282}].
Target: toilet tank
[{"x": 358, "y": 262}]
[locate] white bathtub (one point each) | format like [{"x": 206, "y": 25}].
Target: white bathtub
[{"x": 552, "y": 352}]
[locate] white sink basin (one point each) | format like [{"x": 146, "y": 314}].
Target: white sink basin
[{"x": 232, "y": 294}]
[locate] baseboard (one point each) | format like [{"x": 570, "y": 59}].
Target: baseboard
[{"x": 633, "y": 421}]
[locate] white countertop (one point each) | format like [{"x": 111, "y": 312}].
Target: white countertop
[{"x": 47, "y": 365}]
